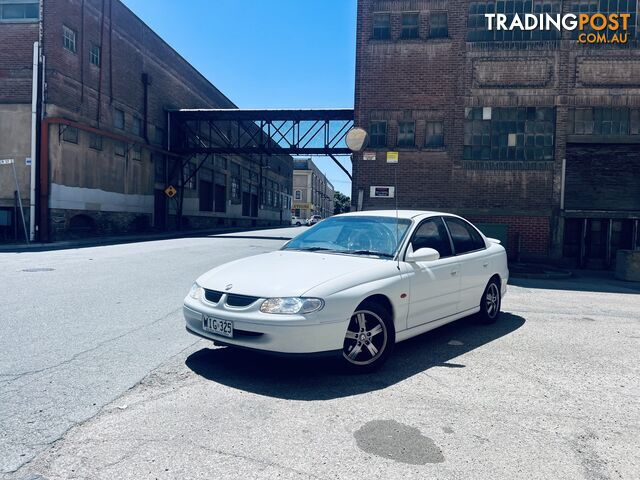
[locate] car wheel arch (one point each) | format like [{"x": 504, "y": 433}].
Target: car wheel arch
[
  {"x": 381, "y": 300},
  {"x": 498, "y": 279}
]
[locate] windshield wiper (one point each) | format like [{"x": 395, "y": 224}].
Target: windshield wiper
[
  {"x": 312, "y": 249},
  {"x": 369, "y": 252}
]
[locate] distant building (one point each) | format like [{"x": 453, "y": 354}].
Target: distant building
[
  {"x": 312, "y": 191},
  {"x": 101, "y": 134},
  {"x": 530, "y": 134}
]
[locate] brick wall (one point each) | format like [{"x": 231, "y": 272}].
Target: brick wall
[
  {"x": 16, "y": 58},
  {"x": 525, "y": 235},
  {"x": 129, "y": 49},
  {"x": 437, "y": 79},
  {"x": 595, "y": 177}
]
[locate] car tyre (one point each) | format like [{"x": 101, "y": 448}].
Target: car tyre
[
  {"x": 490, "y": 303},
  {"x": 369, "y": 339}
]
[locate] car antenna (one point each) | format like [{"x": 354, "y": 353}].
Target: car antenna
[{"x": 395, "y": 194}]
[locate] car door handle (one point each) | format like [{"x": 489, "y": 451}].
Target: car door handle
[
  {"x": 485, "y": 265},
  {"x": 454, "y": 273}
]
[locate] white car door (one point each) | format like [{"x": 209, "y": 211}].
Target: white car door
[
  {"x": 471, "y": 252},
  {"x": 434, "y": 286}
]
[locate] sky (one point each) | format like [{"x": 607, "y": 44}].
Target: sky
[{"x": 266, "y": 53}]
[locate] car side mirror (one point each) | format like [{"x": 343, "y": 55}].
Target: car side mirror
[{"x": 422, "y": 255}]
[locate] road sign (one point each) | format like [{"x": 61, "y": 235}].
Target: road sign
[
  {"x": 392, "y": 157},
  {"x": 369, "y": 156},
  {"x": 170, "y": 191},
  {"x": 27, "y": 161},
  {"x": 6, "y": 161}
]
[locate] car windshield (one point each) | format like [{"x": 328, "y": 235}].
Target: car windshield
[{"x": 354, "y": 235}]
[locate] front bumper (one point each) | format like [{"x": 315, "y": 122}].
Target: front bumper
[{"x": 292, "y": 334}]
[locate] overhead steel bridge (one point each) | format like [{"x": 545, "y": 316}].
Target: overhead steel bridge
[{"x": 266, "y": 132}]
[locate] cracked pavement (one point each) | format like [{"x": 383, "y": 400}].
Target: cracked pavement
[{"x": 119, "y": 390}]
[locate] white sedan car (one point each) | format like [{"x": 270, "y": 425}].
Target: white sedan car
[{"x": 354, "y": 284}]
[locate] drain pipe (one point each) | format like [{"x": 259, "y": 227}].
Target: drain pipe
[
  {"x": 34, "y": 126},
  {"x": 563, "y": 180}
]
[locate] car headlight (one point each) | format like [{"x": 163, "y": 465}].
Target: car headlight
[
  {"x": 291, "y": 305},
  {"x": 196, "y": 292}
]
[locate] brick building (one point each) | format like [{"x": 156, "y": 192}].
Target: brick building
[
  {"x": 102, "y": 158},
  {"x": 312, "y": 190},
  {"x": 530, "y": 134}
]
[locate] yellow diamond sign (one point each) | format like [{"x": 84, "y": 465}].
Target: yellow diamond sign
[{"x": 170, "y": 191}]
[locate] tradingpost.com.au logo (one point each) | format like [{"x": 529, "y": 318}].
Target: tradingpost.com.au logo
[{"x": 592, "y": 27}]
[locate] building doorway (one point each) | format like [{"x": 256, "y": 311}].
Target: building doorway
[
  {"x": 160, "y": 210},
  {"x": 594, "y": 242}
]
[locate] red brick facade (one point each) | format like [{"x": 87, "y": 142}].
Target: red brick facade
[
  {"x": 140, "y": 77},
  {"x": 440, "y": 79}
]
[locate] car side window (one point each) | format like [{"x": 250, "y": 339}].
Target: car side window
[
  {"x": 432, "y": 234},
  {"x": 465, "y": 237}
]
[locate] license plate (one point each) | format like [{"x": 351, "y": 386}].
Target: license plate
[{"x": 217, "y": 326}]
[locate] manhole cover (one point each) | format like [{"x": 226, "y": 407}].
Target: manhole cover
[{"x": 38, "y": 269}]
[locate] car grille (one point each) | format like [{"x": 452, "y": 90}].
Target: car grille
[
  {"x": 240, "y": 300},
  {"x": 212, "y": 296},
  {"x": 233, "y": 300}
]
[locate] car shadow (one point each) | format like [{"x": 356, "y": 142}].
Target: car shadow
[{"x": 317, "y": 379}]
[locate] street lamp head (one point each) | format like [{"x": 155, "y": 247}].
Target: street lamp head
[{"x": 357, "y": 139}]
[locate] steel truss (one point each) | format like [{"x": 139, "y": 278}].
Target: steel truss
[{"x": 270, "y": 132}]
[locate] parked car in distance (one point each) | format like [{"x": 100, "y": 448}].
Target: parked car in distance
[
  {"x": 354, "y": 286},
  {"x": 313, "y": 220},
  {"x": 296, "y": 221}
]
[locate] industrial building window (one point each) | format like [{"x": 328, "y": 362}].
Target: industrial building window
[
  {"x": 378, "y": 134},
  {"x": 478, "y": 24},
  {"x": 190, "y": 176},
  {"x": 95, "y": 141},
  {"x": 136, "y": 126},
  {"x": 235, "y": 188},
  {"x": 410, "y": 25},
  {"x": 17, "y": 11},
  {"x": 220, "y": 162},
  {"x": 607, "y": 7},
  {"x": 159, "y": 168},
  {"x": 94, "y": 55},
  {"x": 406, "y": 134},
  {"x": 220, "y": 193},
  {"x": 118, "y": 119},
  {"x": 119, "y": 148},
  {"x": 606, "y": 121},
  {"x": 69, "y": 134},
  {"x": 435, "y": 135},
  {"x": 69, "y": 38},
  {"x": 513, "y": 133},
  {"x": 136, "y": 153},
  {"x": 381, "y": 26},
  {"x": 438, "y": 25}
]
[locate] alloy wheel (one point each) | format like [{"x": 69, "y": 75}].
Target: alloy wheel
[
  {"x": 492, "y": 300},
  {"x": 366, "y": 338}
]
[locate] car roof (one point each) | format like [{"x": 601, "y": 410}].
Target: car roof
[{"x": 408, "y": 214}]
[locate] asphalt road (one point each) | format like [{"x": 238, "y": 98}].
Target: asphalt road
[
  {"x": 79, "y": 327},
  {"x": 96, "y": 348}
]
